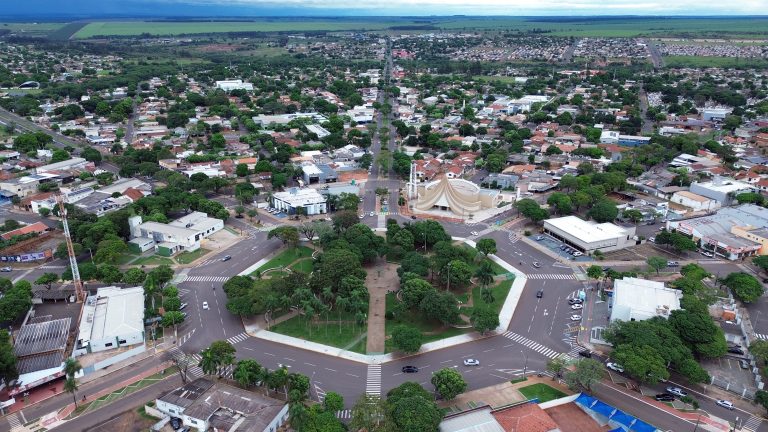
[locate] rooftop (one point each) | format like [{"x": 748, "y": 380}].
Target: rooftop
[
  {"x": 112, "y": 311},
  {"x": 641, "y": 299},
  {"x": 42, "y": 337},
  {"x": 588, "y": 232}
]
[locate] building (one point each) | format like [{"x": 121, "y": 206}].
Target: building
[
  {"x": 284, "y": 119},
  {"x": 69, "y": 164},
  {"x": 40, "y": 348},
  {"x": 458, "y": 196},
  {"x": 715, "y": 114},
  {"x": 318, "y": 173},
  {"x": 309, "y": 200},
  {"x": 234, "y": 84},
  {"x": 722, "y": 190},
  {"x": 732, "y": 232},
  {"x": 205, "y": 405},
  {"x": 183, "y": 234},
  {"x": 588, "y": 236},
  {"x": 28, "y": 185},
  {"x": 633, "y": 140},
  {"x": 694, "y": 201},
  {"x": 113, "y": 318},
  {"x": 318, "y": 130},
  {"x": 640, "y": 299},
  {"x": 609, "y": 137}
]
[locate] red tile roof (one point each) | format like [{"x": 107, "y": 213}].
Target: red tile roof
[
  {"x": 525, "y": 418},
  {"x": 37, "y": 227}
]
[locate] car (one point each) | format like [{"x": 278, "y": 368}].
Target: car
[
  {"x": 606, "y": 269},
  {"x": 474, "y": 233},
  {"x": 577, "y": 254},
  {"x": 575, "y": 317},
  {"x": 185, "y": 429},
  {"x": 677, "y": 391},
  {"x": 183, "y": 305},
  {"x": 175, "y": 423},
  {"x": 649, "y": 223},
  {"x": 708, "y": 254},
  {"x": 585, "y": 353},
  {"x": 652, "y": 239},
  {"x": 562, "y": 247},
  {"x": 410, "y": 369},
  {"x": 413, "y": 217},
  {"x": 614, "y": 366},
  {"x": 725, "y": 404},
  {"x": 577, "y": 306},
  {"x": 673, "y": 264},
  {"x": 744, "y": 364},
  {"x": 665, "y": 397},
  {"x": 362, "y": 216},
  {"x": 205, "y": 305},
  {"x": 539, "y": 238},
  {"x": 471, "y": 362},
  {"x": 735, "y": 350},
  {"x": 372, "y": 214},
  {"x": 6, "y": 269},
  {"x": 539, "y": 293},
  {"x": 536, "y": 264},
  {"x": 227, "y": 258},
  {"x": 574, "y": 301}
]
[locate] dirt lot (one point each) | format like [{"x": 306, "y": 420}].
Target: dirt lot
[
  {"x": 641, "y": 252},
  {"x": 129, "y": 421}
]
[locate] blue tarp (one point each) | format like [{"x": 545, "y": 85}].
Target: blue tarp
[
  {"x": 641, "y": 426},
  {"x": 630, "y": 423},
  {"x": 585, "y": 400},
  {"x": 623, "y": 418},
  {"x": 603, "y": 408}
]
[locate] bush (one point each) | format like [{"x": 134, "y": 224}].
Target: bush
[
  {"x": 691, "y": 401},
  {"x": 389, "y": 315},
  {"x": 527, "y": 233}
]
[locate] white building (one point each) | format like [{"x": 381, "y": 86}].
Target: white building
[
  {"x": 609, "y": 137},
  {"x": 318, "y": 130},
  {"x": 113, "y": 318},
  {"x": 588, "y": 236},
  {"x": 69, "y": 164},
  {"x": 183, "y": 234},
  {"x": 640, "y": 299},
  {"x": 715, "y": 114},
  {"x": 694, "y": 201},
  {"x": 205, "y": 405},
  {"x": 309, "y": 199},
  {"x": 722, "y": 190},
  {"x": 238, "y": 84}
]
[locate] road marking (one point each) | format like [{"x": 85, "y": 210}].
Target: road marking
[
  {"x": 344, "y": 414},
  {"x": 332, "y": 370},
  {"x": 752, "y": 424},
  {"x": 310, "y": 364},
  {"x": 353, "y": 375},
  {"x": 447, "y": 361},
  {"x": 269, "y": 354},
  {"x": 373, "y": 380},
  {"x": 238, "y": 338},
  {"x": 535, "y": 346},
  {"x": 13, "y": 420},
  {"x": 488, "y": 350},
  {"x": 555, "y": 276},
  {"x": 289, "y": 359},
  {"x": 207, "y": 278}
]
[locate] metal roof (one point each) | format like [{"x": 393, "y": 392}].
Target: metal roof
[{"x": 42, "y": 337}]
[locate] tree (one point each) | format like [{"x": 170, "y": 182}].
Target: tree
[
  {"x": 744, "y": 286},
  {"x": 761, "y": 262},
  {"x": 44, "y": 211},
  {"x": 531, "y": 209},
  {"x": 248, "y": 373},
  {"x": 485, "y": 274},
  {"x": 604, "y": 210},
  {"x": 633, "y": 215},
  {"x": 440, "y": 306},
  {"x": 110, "y": 250},
  {"x": 556, "y": 366},
  {"x": 699, "y": 332},
  {"x": 642, "y": 362},
  {"x": 412, "y": 409},
  {"x": 585, "y": 374},
  {"x": 368, "y": 414},
  {"x": 449, "y": 383},
  {"x": 289, "y": 235},
  {"x": 484, "y": 319},
  {"x": 241, "y": 170},
  {"x": 161, "y": 274},
  {"x": 333, "y": 402},
  {"x": 172, "y": 318},
  {"x": 110, "y": 274},
  {"x": 8, "y": 369},
  {"x": 560, "y": 202},
  {"x": 759, "y": 349},
  {"x": 656, "y": 262},
  {"x": 47, "y": 279},
  {"x": 343, "y": 220},
  {"x": 414, "y": 291},
  {"x": 486, "y": 246},
  {"x": 594, "y": 272},
  {"x": 71, "y": 368},
  {"x": 457, "y": 274},
  {"x": 407, "y": 339},
  {"x": 134, "y": 276}
]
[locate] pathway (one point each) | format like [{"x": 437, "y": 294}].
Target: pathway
[{"x": 380, "y": 280}]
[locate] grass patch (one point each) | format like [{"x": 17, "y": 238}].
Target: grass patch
[
  {"x": 126, "y": 258},
  {"x": 542, "y": 392},
  {"x": 333, "y": 334},
  {"x": 153, "y": 260},
  {"x": 286, "y": 257},
  {"x": 432, "y": 330},
  {"x": 304, "y": 266},
  {"x": 499, "y": 291},
  {"x": 693, "y": 61},
  {"x": 188, "y": 257},
  {"x": 518, "y": 380}
]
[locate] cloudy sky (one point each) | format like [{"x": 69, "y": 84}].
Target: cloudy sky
[{"x": 386, "y": 7}]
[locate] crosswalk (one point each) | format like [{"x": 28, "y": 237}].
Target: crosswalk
[
  {"x": 556, "y": 276},
  {"x": 373, "y": 380},
  {"x": 752, "y": 424},
  {"x": 13, "y": 420},
  {"x": 513, "y": 237},
  {"x": 186, "y": 337},
  {"x": 238, "y": 338},
  {"x": 53, "y": 267},
  {"x": 344, "y": 414},
  {"x": 535, "y": 346},
  {"x": 761, "y": 336},
  {"x": 207, "y": 279}
]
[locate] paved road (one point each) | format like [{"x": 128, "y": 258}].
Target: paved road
[{"x": 59, "y": 140}]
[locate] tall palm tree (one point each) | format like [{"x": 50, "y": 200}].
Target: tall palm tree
[
  {"x": 70, "y": 385},
  {"x": 484, "y": 273},
  {"x": 71, "y": 368},
  {"x": 208, "y": 362}
]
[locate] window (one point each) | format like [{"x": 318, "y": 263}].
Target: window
[
  {"x": 122, "y": 341},
  {"x": 108, "y": 344}
]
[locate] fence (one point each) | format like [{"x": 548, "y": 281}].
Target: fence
[{"x": 114, "y": 359}]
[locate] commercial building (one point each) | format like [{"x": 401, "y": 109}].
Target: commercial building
[
  {"x": 732, "y": 232},
  {"x": 609, "y": 137},
  {"x": 722, "y": 190},
  {"x": 69, "y": 164},
  {"x": 694, "y": 201},
  {"x": 715, "y": 114},
  {"x": 40, "y": 351},
  {"x": 183, "y": 234},
  {"x": 310, "y": 200},
  {"x": 113, "y": 318},
  {"x": 640, "y": 299},
  {"x": 28, "y": 185},
  {"x": 633, "y": 140},
  {"x": 205, "y": 405},
  {"x": 588, "y": 236},
  {"x": 318, "y": 173},
  {"x": 234, "y": 84},
  {"x": 284, "y": 119}
]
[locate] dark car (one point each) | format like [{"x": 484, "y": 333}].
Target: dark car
[
  {"x": 413, "y": 217},
  {"x": 665, "y": 397},
  {"x": 586, "y": 353},
  {"x": 539, "y": 293},
  {"x": 605, "y": 269},
  {"x": 175, "y": 423},
  {"x": 574, "y": 301},
  {"x": 735, "y": 350},
  {"x": 226, "y": 258},
  {"x": 410, "y": 369}
]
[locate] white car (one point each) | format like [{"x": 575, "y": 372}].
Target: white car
[
  {"x": 471, "y": 362},
  {"x": 725, "y": 404},
  {"x": 371, "y": 214},
  {"x": 708, "y": 254},
  {"x": 614, "y": 366},
  {"x": 575, "y": 317},
  {"x": 474, "y": 233},
  {"x": 362, "y": 216},
  {"x": 536, "y": 264},
  {"x": 652, "y": 239},
  {"x": 677, "y": 391},
  {"x": 577, "y": 306},
  {"x": 205, "y": 305},
  {"x": 577, "y": 254}
]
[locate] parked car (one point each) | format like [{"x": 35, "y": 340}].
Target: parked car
[
  {"x": 205, "y": 305},
  {"x": 413, "y": 217},
  {"x": 471, "y": 362},
  {"x": 410, "y": 369},
  {"x": 577, "y": 306},
  {"x": 707, "y": 254},
  {"x": 6, "y": 269},
  {"x": 539, "y": 238},
  {"x": 577, "y": 254},
  {"x": 652, "y": 239},
  {"x": 606, "y": 269},
  {"x": 574, "y": 301},
  {"x": 735, "y": 350},
  {"x": 536, "y": 264},
  {"x": 586, "y": 353},
  {"x": 183, "y": 305},
  {"x": 175, "y": 423},
  {"x": 563, "y": 247},
  {"x": 614, "y": 366},
  {"x": 744, "y": 364},
  {"x": 226, "y": 258},
  {"x": 665, "y": 397},
  {"x": 371, "y": 214},
  {"x": 361, "y": 216},
  {"x": 474, "y": 233},
  {"x": 539, "y": 293},
  {"x": 677, "y": 391},
  {"x": 725, "y": 404},
  {"x": 575, "y": 317},
  {"x": 673, "y": 264}
]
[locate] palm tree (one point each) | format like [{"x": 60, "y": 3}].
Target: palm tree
[
  {"x": 71, "y": 368},
  {"x": 484, "y": 273},
  {"x": 487, "y": 295},
  {"x": 70, "y": 385},
  {"x": 208, "y": 362}
]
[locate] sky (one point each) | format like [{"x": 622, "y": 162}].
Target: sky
[{"x": 92, "y": 8}]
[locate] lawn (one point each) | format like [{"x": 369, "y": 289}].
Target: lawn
[
  {"x": 499, "y": 291},
  {"x": 542, "y": 392},
  {"x": 332, "y": 334},
  {"x": 188, "y": 257},
  {"x": 153, "y": 260},
  {"x": 435, "y": 329},
  {"x": 693, "y": 61},
  {"x": 304, "y": 266},
  {"x": 286, "y": 257},
  {"x": 126, "y": 258}
]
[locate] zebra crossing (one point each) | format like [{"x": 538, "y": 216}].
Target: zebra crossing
[
  {"x": 207, "y": 279},
  {"x": 752, "y": 423},
  {"x": 513, "y": 237},
  {"x": 761, "y": 336},
  {"x": 535, "y": 346},
  {"x": 373, "y": 380},
  {"x": 344, "y": 414},
  {"x": 13, "y": 420},
  {"x": 238, "y": 338},
  {"x": 557, "y": 276},
  {"x": 53, "y": 267}
]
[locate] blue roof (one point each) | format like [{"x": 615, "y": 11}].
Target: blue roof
[
  {"x": 618, "y": 429},
  {"x": 623, "y": 418},
  {"x": 585, "y": 400},
  {"x": 641, "y": 426},
  {"x": 603, "y": 408}
]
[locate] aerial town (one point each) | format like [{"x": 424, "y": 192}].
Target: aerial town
[{"x": 397, "y": 225}]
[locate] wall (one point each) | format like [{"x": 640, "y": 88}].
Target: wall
[
  {"x": 130, "y": 339},
  {"x": 114, "y": 359}
]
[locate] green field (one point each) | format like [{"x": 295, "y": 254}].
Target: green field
[
  {"x": 347, "y": 335},
  {"x": 31, "y": 29},
  {"x": 499, "y": 291},
  {"x": 286, "y": 257},
  {"x": 542, "y": 392},
  {"x": 692, "y": 61}
]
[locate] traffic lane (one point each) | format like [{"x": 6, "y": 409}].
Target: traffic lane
[
  {"x": 329, "y": 372},
  {"x": 706, "y": 402},
  {"x": 521, "y": 252},
  {"x": 244, "y": 254}
]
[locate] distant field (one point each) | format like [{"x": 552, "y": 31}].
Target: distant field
[
  {"x": 32, "y": 29},
  {"x": 691, "y": 61}
]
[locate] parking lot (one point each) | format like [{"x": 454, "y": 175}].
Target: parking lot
[
  {"x": 731, "y": 372},
  {"x": 559, "y": 248},
  {"x": 641, "y": 252}
]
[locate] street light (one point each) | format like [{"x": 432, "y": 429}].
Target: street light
[{"x": 525, "y": 365}]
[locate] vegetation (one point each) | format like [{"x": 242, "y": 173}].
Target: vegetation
[{"x": 541, "y": 392}]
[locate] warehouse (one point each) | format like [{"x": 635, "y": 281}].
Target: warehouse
[{"x": 588, "y": 236}]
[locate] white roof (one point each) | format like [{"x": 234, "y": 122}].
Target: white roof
[
  {"x": 587, "y": 232},
  {"x": 642, "y": 299},
  {"x": 299, "y": 197},
  {"x": 112, "y": 312},
  {"x": 726, "y": 185}
]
